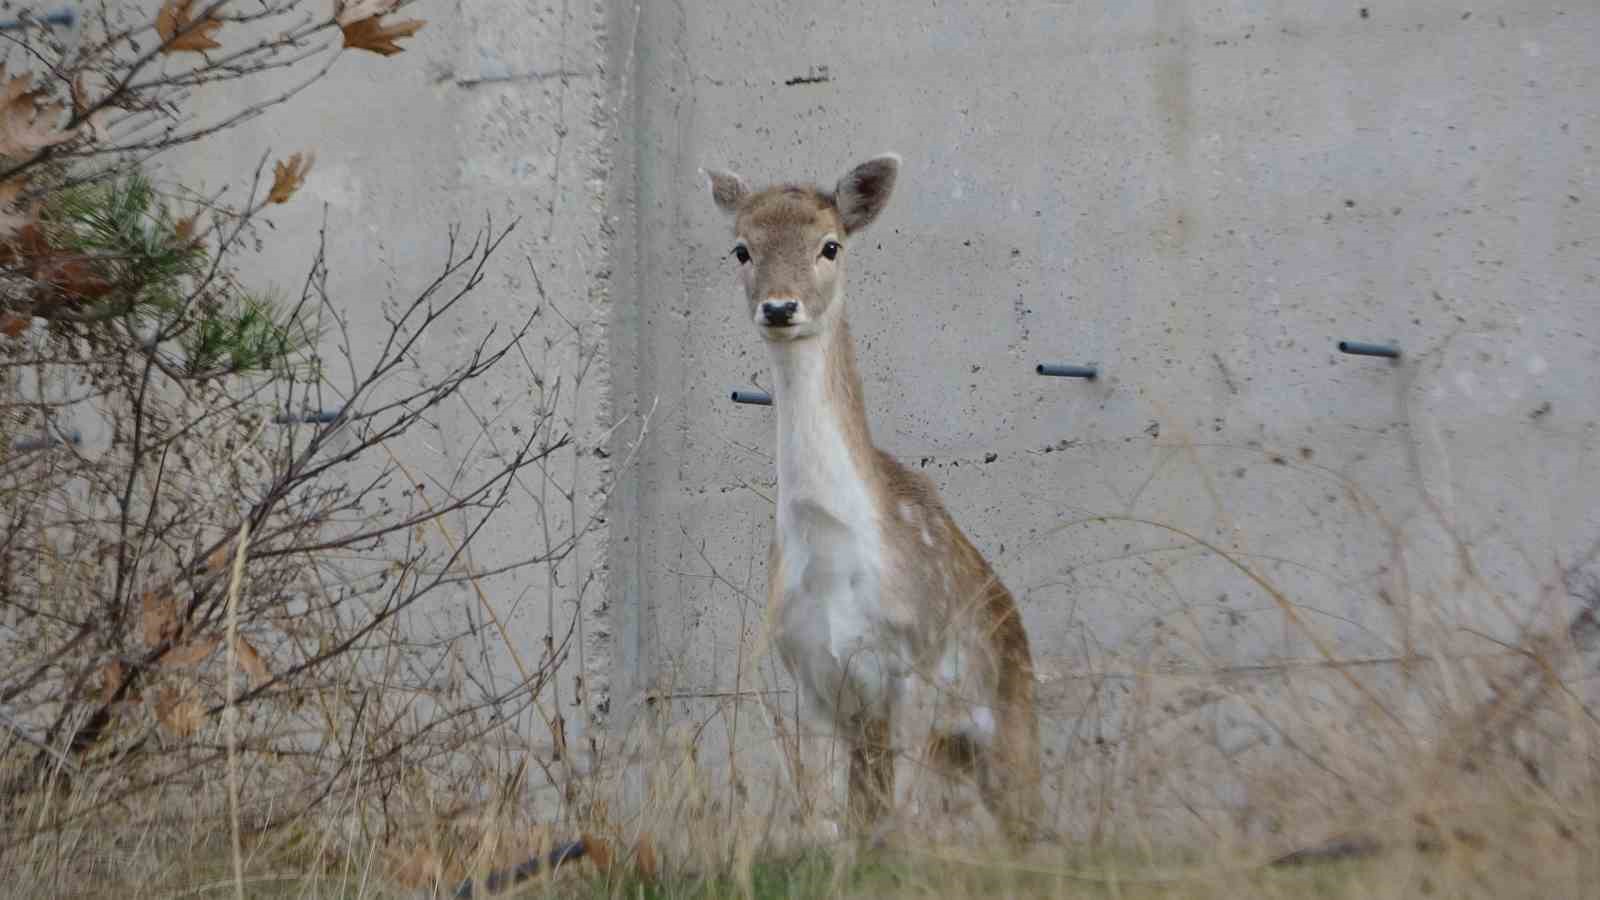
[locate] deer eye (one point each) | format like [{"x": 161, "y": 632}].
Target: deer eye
[
  {"x": 742, "y": 254},
  {"x": 830, "y": 250}
]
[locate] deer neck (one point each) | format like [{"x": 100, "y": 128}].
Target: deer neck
[{"x": 825, "y": 454}]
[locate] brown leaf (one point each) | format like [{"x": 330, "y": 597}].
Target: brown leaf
[
  {"x": 80, "y": 96},
  {"x": 559, "y": 738},
  {"x": 252, "y": 662},
  {"x": 371, "y": 34},
  {"x": 26, "y": 127},
  {"x": 12, "y": 325},
  {"x": 598, "y": 851},
  {"x": 159, "y": 617},
  {"x": 75, "y": 277},
  {"x": 12, "y": 217},
  {"x": 352, "y": 11},
  {"x": 113, "y": 675},
  {"x": 218, "y": 560},
  {"x": 288, "y": 176},
  {"x": 179, "y": 712},
  {"x": 192, "y": 653},
  {"x": 185, "y": 230},
  {"x": 179, "y": 31},
  {"x": 94, "y": 127},
  {"x": 644, "y": 859},
  {"x": 17, "y": 87},
  {"x": 13, "y": 221},
  {"x": 28, "y": 249},
  {"x": 25, "y": 249},
  {"x": 416, "y": 866}
]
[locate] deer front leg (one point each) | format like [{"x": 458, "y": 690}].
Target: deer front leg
[
  {"x": 1008, "y": 777},
  {"x": 871, "y": 773},
  {"x": 1006, "y": 770}
]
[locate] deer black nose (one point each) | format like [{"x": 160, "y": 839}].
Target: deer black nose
[{"x": 779, "y": 312}]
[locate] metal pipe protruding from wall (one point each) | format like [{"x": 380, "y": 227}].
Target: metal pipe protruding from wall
[
  {"x": 45, "y": 441},
  {"x": 1059, "y": 370},
  {"x": 754, "y": 398},
  {"x": 66, "y": 18},
  {"x": 1357, "y": 348},
  {"x": 499, "y": 881},
  {"x": 316, "y": 417}
]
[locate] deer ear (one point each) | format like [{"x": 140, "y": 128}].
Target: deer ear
[
  {"x": 864, "y": 191},
  {"x": 727, "y": 189}
]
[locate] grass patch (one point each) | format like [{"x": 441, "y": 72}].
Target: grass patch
[{"x": 1468, "y": 869}]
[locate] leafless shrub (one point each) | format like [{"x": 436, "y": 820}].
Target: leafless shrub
[{"x": 214, "y": 552}]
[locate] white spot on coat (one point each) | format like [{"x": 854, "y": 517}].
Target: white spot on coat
[{"x": 983, "y": 721}]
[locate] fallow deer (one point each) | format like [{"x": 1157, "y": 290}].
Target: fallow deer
[{"x": 873, "y": 591}]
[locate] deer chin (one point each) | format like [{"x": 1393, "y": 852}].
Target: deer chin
[{"x": 783, "y": 334}]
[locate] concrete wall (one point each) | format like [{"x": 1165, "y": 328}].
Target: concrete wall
[{"x": 1203, "y": 199}]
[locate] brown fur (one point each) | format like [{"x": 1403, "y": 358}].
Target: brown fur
[{"x": 1009, "y": 780}]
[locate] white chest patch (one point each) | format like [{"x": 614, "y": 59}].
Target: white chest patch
[{"x": 833, "y": 631}]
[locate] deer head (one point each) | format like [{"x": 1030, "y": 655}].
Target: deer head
[{"x": 790, "y": 243}]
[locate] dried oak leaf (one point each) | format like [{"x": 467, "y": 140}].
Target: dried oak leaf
[
  {"x": 559, "y": 738},
  {"x": 184, "y": 229},
  {"x": 598, "y": 850},
  {"x": 158, "y": 619},
  {"x": 288, "y": 176},
  {"x": 179, "y": 31},
  {"x": 26, "y": 127},
  {"x": 179, "y": 712},
  {"x": 12, "y": 325},
  {"x": 218, "y": 560},
  {"x": 192, "y": 653},
  {"x": 351, "y": 11},
  {"x": 16, "y": 86},
  {"x": 418, "y": 866},
  {"x": 372, "y": 34},
  {"x": 25, "y": 250},
  {"x": 644, "y": 859},
  {"x": 13, "y": 218},
  {"x": 250, "y": 659},
  {"x": 113, "y": 675},
  {"x": 94, "y": 126},
  {"x": 75, "y": 277}
]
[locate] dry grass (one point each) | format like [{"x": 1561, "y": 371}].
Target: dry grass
[
  {"x": 1498, "y": 847},
  {"x": 1468, "y": 759},
  {"x": 1521, "y": 818}
]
